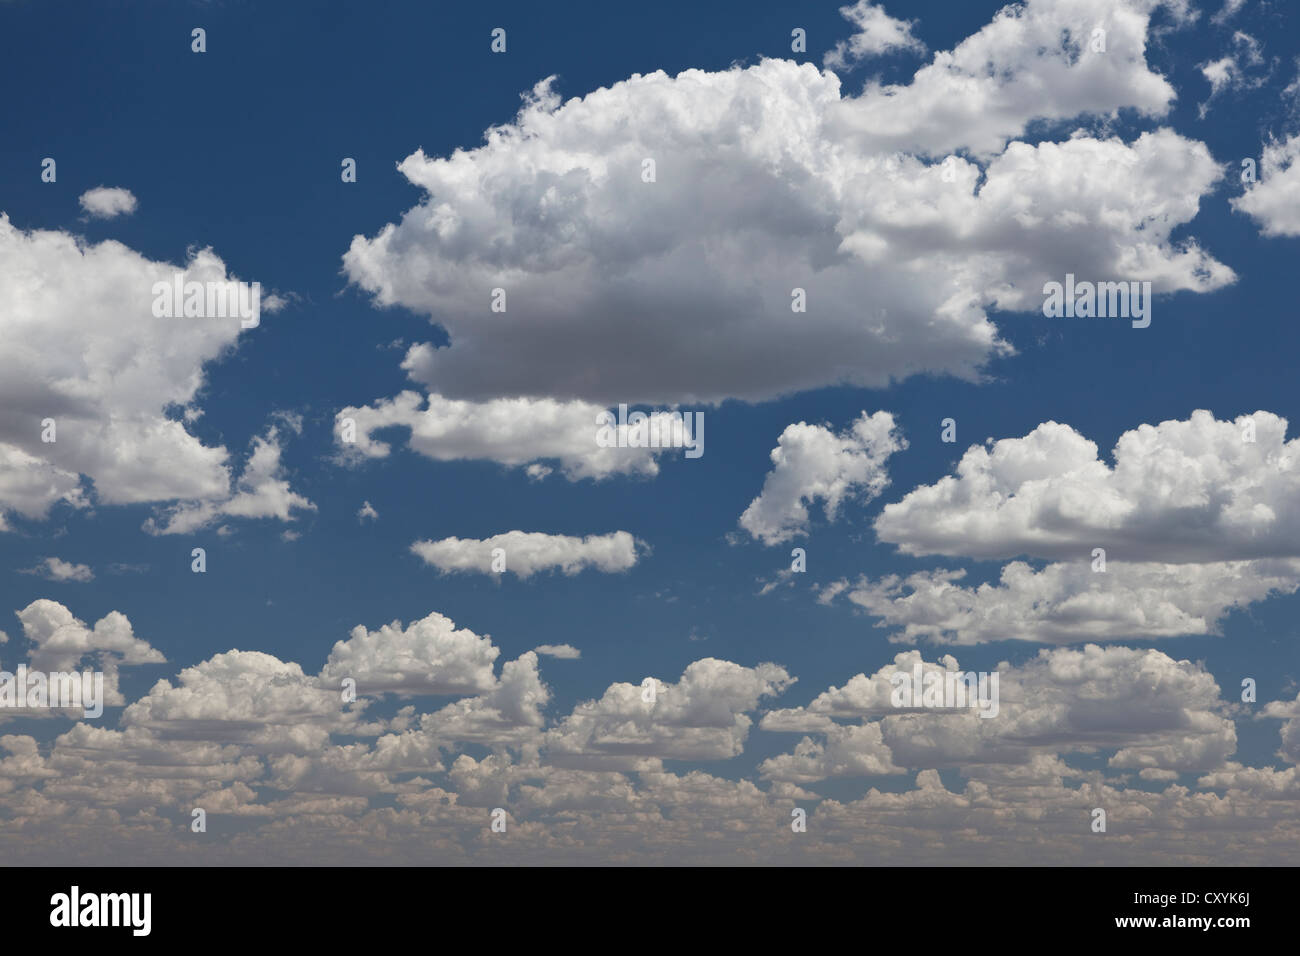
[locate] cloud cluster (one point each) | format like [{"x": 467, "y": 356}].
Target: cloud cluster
[
  {"x": 286, "y": 768},
  {"x": 1155, "y": 712},
  {"x": 1192, "y": 520},
  {"x": 701, "y": 717}
]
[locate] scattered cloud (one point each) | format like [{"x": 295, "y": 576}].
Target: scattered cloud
[
  {"x": 813, "y": 463},
  {"x": 56, "y": 569},
  {"x": 878, "y": 33},
  {"x": 525, "y": 553},
  {"x": 105, "y": 202}
]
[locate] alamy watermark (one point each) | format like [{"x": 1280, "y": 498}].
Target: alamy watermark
[
  {"x": 656, "y": 430},
  {"x": 1114, "y": 300},
  {"x": 208, "y": 300},
  {"x": 75, "y": 908},
  {"x": 55, "y": 689},
  {"x": 944, "y": 689}
]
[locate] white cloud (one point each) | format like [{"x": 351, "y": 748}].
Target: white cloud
[
  {"x": 701, "y": 717},
  {"x": 812, "y": 463},
  {"x": 83, "y": 348},
  {"x": 56, "y": 569},
  {"x": 1179, "y": 492},
  {"x": 680, "y": 290},
  {"x": 367, "y": 511},
  {"x": 61, "y": 642},
  {"x": 1069, "y": 603},
  {"x": 878, "y": 33},
  {"x": 1155, "y": 712},
  {"x": 262, "y": 491},
  {"x": 509, "y": 714},
  {"x": 247, "y": 698},
  {"x": 529, "y": 552},
  {"x": 564, "y": 652},
  {"x": 1273, "y": 200},
  {"x": 511, "y": 431},
  {"x": 431, "y": 656},
  {"x": 104, "y": 202},
  {"x": 1034, "y": 60}
]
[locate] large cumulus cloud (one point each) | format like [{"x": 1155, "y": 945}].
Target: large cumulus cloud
[{"x": 768, "y": 179}]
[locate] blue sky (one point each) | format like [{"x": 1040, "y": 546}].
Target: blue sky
[{"x": 238, "y": 149}]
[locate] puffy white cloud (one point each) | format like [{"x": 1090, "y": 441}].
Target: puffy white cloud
[
  {"x": 564, "y": 652},
  {"x": 104, "y": 202},
  {"x": 262, "y": 491},
  {"x": 844, "y": 751},
  {"x": 1179, "y": 492},
  {"x": 247, "y": 698},
  {"x": 367, "y": 512},
  {"x": 60, "y": 642},
  {"x": 701, "y": 717},
  {"x": 812, "y": 463},
  {"x": 30, "y": 485},
  {"x": 1273, "y": 200},
  {"x": 680, "y": 290},
  {"x": 56, "y": 569},
  {"x": 511, "y": 431},
  {"x": 506, "y": 714},
  {"x": 528, "y": 552},
  {"x": 1068, "y": 603},
  {"x": 431, "y": 656},
  {"x": 1196, "y": 518},
  {"x": 1034, "y": 60},
  {"x": 83, "y": 348},
  {"x": 877, "y": 33}
]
